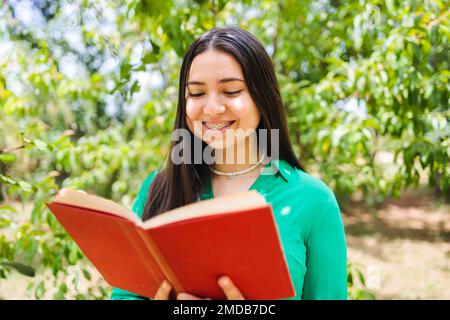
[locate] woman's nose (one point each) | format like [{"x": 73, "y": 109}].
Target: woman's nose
[{"x": 213, "y": 106}]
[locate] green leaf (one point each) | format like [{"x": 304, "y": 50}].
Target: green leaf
[
  {"x": 7, "y": 208},
  {"x": 86, "y": 274},
  {"x": 25, "y": 186},
  {"x": 362, "y": 279},
  {"x": 149, "y": 58},
  {"x": 125, "y": 69},
  {"x": 40, "y": 290},
  {"x": 135, "y": 87},
  {"x": 7, "y": 180},
  {"x": 155, "y": 48},
  {"x": 21, "y": 268},
  {"x": 7, "y": 158},
  {"x": 73, "y": 255},
  {"x": 41, "y": 145},
  {"x": 222, "y": 4}
]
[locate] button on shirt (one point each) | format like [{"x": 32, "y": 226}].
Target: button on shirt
[{"x": 310, "y": 227}]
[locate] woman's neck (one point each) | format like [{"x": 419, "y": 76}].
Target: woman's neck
[{"x": 240, "y": 157}]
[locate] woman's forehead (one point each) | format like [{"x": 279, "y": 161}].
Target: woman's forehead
[{"x": 214, "y": 65}]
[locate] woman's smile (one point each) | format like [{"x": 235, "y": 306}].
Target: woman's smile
[{"x": 217, "y": 126}]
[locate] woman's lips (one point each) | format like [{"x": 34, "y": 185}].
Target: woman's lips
[{"x": 218, "y": 126}]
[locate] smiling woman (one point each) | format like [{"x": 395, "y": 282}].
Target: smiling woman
[
  {"x": 221, "y": 101},
  {"x": 227, "y": 86}
]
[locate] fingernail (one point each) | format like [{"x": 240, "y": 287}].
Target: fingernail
[
  {"x": 224, "y": 281},
  {"x": 166, "y": 284}
]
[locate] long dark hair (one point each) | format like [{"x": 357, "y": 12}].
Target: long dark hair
[{"x": 180, "y": 184}]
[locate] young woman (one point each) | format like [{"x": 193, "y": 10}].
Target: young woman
[{"x": 228, "y": 84}]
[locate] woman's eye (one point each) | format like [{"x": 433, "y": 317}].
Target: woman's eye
[
  {"x": 232, "y": 93},
  {"x": 195, "y": 94}
]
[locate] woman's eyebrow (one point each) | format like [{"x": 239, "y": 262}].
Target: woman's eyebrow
[
  {"x": 230, "y": 80},
  {"x": 220, "y": 81}
]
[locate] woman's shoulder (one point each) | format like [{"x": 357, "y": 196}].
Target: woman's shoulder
[
  {"x": 150, "y": 177},
  {"x": 141, "y": 198},
  {"x": 311, "y": 193},
  {"x": 305, "y": 184}
]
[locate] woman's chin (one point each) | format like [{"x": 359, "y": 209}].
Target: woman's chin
[
  {"x": 223, "y": 144},
  {"x": 219, "y": 144}
]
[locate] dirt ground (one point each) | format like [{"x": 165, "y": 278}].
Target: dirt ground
[{"x": 403, "y": 247}]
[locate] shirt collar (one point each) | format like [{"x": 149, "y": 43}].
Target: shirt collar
[{"x": 281, "y": 167}]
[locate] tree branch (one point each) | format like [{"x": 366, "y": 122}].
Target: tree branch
[{"x": 12, "y": 149}]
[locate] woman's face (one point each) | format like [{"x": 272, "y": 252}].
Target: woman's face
[{"x": 219, "y": 108}]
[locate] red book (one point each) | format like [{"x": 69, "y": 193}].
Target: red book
[{"x": 191, "y": 246}]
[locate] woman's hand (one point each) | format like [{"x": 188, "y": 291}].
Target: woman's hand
[
  {"x": 163, "y": 291},
  {"x": 228, "y": 287}
]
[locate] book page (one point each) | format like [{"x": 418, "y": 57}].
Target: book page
[
  {"x": 82, "y": 199},
  {"x": 230, "y": 203}
]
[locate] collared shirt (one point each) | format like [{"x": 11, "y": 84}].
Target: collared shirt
[{"x": 309, "y": 224}]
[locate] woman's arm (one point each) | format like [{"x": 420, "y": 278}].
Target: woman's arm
[
  {"x": 326, "y": 255},
  {"x": 119, "y": 294}
]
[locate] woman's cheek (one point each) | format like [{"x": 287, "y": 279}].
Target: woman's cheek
[
  {"x": 193, "y": 112},
  {"x": 246, "y": 112},
  {"x": 237, "y": 106}
]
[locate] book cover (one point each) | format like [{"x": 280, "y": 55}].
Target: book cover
[{"x": 191, "y": 247}]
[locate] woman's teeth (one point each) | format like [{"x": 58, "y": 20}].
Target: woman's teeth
[{"x": 218, "y": 125}]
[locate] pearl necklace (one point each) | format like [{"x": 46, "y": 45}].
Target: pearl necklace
[{"x": 235, "y": 174}]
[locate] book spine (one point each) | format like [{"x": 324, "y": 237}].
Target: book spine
[
  {"x": 152, "y": 268},
  {"x": 159, "y": 257}
]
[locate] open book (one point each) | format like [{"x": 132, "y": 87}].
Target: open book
[{"x": 191, "y": 246}]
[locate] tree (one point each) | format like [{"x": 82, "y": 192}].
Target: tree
[{"x": 88, "y": 92}]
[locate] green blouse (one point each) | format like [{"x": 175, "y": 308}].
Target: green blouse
[{"x": 309, "y": 224}]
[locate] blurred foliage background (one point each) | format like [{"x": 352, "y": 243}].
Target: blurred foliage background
[{"x": 88, "y": 92}]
